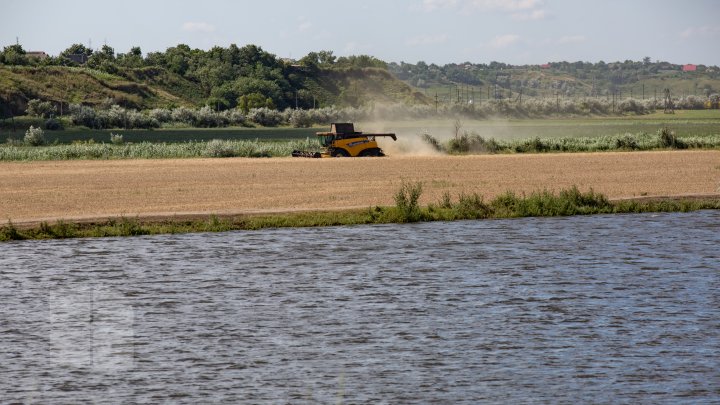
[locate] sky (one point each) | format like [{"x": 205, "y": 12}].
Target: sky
[{"x": 434, "y": 31}]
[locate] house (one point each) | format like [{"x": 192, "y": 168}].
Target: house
[
  {"x": 37, "y": 55},
  {"x": 79, "y": 58},
  {"x": 689, "y": 68},
  {"x": 545, "y": 66}
]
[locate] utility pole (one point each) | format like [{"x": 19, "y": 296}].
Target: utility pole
[
  {"x": 643, "y": 91},
  {"x": 436, "y": 102}
]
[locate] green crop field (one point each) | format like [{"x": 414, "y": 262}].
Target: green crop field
[
  {"x": 691, "y": 123},
  {"x": 172, "y": 135}
]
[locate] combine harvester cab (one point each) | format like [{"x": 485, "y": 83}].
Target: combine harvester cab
[{"x": 344, "y": 141}]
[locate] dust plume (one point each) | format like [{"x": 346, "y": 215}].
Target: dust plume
[{"x": 408, "y": 142}]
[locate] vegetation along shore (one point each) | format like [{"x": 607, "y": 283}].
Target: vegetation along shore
[{"x": 407, "y": 209}]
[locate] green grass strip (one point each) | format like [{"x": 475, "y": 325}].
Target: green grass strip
[{"x": 465, "y": 206}]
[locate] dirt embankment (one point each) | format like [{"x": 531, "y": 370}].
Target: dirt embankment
[{"x": 35, "y": 191}]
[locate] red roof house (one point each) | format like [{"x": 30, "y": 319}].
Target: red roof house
[{"x": 689, "y": 68}]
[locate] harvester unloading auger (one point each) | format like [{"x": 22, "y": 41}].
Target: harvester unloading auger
[{"x": 344, "y": 141}]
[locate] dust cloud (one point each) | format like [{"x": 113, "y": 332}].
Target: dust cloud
[{"x": 409, "y": 142}]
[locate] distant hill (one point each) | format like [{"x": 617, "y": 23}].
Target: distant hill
[
  {"x": 576, "y": 79},
  {"x": 145, "y": 88},
  {"x": 224, "y": 78},
  {"x": 248, "y": 77}
]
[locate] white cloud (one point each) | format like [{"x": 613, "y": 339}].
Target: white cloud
[
  {"x": 703, "y": 31},
  {"x": 531, "y": 16},
  {"x": 503, "y": 41},
  {"x": 427, "y": 40},
  {"x": 572, "y": 39},
  {"x": 198, "y": 27}
]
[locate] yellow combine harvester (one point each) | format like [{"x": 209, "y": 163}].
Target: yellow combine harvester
[{"x": 344, "y": 141}]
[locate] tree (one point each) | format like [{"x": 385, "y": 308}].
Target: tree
[
  {"x": 323, "y": 59},
  {"x": 132, "y": 59},
  {"x": 14, "y": 55},
  {"x": 103, "y": 60},
  {"x": 177, "y": 59},
  {"x": 75, "y": 54},
  {"x": 42, "y": 109},
  {"x": 246, "y": 102}
]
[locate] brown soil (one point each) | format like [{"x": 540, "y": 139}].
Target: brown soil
[{"x": 35, "y": 191}]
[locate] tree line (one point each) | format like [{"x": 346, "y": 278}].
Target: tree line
[
  {"x": 246, "y": 77},
  {"x": 605, "y": 78}
]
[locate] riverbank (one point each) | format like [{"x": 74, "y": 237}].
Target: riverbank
[
  {"x": 467, "y": 206},
  {"x": 125, "y": 197}
]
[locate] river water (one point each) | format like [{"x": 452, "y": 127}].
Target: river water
[{"x": 600, "y": 309}]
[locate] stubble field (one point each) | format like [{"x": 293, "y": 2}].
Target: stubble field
[{"x": 71, "y": 190}]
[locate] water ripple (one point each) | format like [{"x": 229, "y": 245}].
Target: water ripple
[{"x": 563, "y": 310}]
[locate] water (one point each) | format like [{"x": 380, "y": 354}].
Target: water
[{"x": 602, "y": 309}]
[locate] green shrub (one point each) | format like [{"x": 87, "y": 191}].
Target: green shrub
[
  {"x": 445, "y": 201},
  {"x": 34, "y": 136},
  {"x": 668, "y": 139},
  {"x": 432, "y": 141},
  {"x": 471, "y": 206},
  {"x": 626, "y": 142},
  {"x": 406, "y": 201},
  {"x": 130, "y": 227},
  {"x": 116, "y": 139},
  {"x": 53, "y": 124},
  {"x": 220, "y": 148},
  {"x": 9, "y": 232},
  {"x": 42, "y": 109}
]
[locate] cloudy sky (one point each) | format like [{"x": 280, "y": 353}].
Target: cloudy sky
[{"x": 434, "y": 31}]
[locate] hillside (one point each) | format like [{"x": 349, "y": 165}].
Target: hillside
[
  {"x": 245, "y": 77},
  {"x": 248, "y": 77},
  {"x": 18, "y": 84}
]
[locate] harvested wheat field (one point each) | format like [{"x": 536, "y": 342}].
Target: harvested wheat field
[{"x": 36, "y": 191}]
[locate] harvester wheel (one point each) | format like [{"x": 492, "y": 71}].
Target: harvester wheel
[
  {"x": 371, "y": 152},
  {"x": 340, "y": 153}
]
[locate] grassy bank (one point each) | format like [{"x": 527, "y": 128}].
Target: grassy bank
[{"x": 449, "y": 208}]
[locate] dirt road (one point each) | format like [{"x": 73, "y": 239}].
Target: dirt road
[{"x": 34, "y": 191}]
